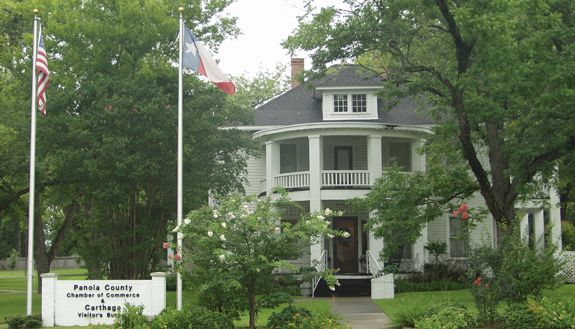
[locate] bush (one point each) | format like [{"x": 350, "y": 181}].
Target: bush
[
  {"x": 437, "y": 285},
  {"x": 132, "y": 318},
  {"x": 518, "y": 316},
  {"x": 171, "y": 281},
  {"x": 408, "y": 317},
  {"x": 448, "y": 317},
  {"x": 21, "y": 322},
  {"x": 191, "y": 318},
  {"x": 302, "y": 318},
  {"x": 568, "y": 235},
  {"x": 291, "y": 315},
  {"x": 547, "y": 313}
]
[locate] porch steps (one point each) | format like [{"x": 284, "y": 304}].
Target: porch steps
[{"x": 350, "y": 286}]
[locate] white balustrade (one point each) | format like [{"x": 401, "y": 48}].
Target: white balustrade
[
  {"x": 292, "y": 180},
  {"x": 355, "y": 178}
]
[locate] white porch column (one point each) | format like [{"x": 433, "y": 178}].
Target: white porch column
[
  {"x": 539, "y": 230},
  {"x": 374, "y": 161},
  {"x": 315, "y": 165},
  {"x": 418, "y": 161},
  {"x": 524, "y": 228},
  {"x": 419, "y": 253},
  {"x": 272, "y": 165},
  {"x": 555, "y": 218}
]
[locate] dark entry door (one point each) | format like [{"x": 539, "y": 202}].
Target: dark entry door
[
  {"x": 345, "y": 249},
  {"x": 343, "y": 158}
]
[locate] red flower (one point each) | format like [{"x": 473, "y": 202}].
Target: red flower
[
  {"x": 178, "y": 257},
  {"x": 465, "y": 215},
  {"x": 463, "y": 207},
  {"x": 166, "y": 245},
  {"x": 477, "y": 282},
  {"x": 455, "y": 214}
]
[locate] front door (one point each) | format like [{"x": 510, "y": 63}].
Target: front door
[{"x": 345, "y": 249}]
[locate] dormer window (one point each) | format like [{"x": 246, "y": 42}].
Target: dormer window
[
  {"x": 349, "y": 104},
  {"x": 340, "y": 103},
  {"x": 359, "y": 103}
]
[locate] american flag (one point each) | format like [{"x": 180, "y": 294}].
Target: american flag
[{"x": 43, "y": 74}]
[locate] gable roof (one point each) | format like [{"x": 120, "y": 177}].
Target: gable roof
[{"x": 301, "y": 105}]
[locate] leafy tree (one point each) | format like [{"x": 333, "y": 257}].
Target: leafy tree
[
  {"x": 107, "y": 148},
  {"x": 254, "y": 91},
  {"x": 238, "y": 248},
  {"x": 496, "y": 74}
]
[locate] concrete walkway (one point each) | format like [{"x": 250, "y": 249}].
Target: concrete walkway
[{"x": 359, "y": 312}]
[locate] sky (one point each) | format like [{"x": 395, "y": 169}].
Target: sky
[{"x": 264, "y": 24}]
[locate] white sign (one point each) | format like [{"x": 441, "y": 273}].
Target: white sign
[{"x": 85, "y": 302}]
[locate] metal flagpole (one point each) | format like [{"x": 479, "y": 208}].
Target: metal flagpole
[
  {"x": 32, "y": 192},
  {"x": 180, "y": 156}
]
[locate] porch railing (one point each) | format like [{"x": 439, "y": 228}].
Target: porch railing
[
  {"x": 373, "y": 266},
  {"x": 337, "y": 178},
  {"x": 292, "y": 180},
  {"x": 320, "y": 266}
]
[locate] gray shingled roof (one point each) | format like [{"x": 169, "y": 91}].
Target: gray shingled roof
[
  {"x": 349, "y": 75},
  {"x": 298, "y": 105}
]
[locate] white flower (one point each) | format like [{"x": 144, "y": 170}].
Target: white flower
[
  {"x": 346, "y": 235},
  {"x": 223, "y": 237},
  {"x": 176, "y": 229},
  {"x": 222, "y": 257},
  {"x": 210, "y": 234},
  {"x": 231, "y": 215},
  {"x": 258, "y": 269},
  {"x": 320, "y": 217},
  {"x": 216, "y": 214},
  {"x": 277, "y": 230},
  {"x": 332, "y": 288},
  {"x": 330, "y": 236},
  {"x": 187, "y": 221},
  {"x": 307, "y": 221},
  {"x": 338, "y": 214},
  {"x": 327, "y": 212},
  {"x": 224, "y": 225}
]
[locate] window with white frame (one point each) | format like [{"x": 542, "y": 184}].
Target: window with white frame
[
  {"x": 288, "y": 158},
  {"x": 340, "y": 103},
  {"x": 359, "y": 103},
  {"x": 457, "y": 244}
]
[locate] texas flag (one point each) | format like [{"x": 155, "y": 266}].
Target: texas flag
[{"x": 196, "y": 57}]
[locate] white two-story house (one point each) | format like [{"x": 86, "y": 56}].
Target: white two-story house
[{"x": 328, "y": 141}]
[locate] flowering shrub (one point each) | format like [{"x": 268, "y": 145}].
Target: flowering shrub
[
  {"x": 486, "y": 299},
  {"x": 237, "y": 247},
  {"x": 290, "y": 316},
  {"x": 547, "y": 313}
]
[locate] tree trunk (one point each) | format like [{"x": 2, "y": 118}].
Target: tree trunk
[
  {"x": 43, "y": 256},
  {"x": 252, "y": 302}
]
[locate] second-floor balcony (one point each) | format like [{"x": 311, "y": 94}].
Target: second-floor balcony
[{"x": 329, "y": 179}]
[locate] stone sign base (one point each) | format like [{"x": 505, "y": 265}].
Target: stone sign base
[{"x": 86, "y": 302}]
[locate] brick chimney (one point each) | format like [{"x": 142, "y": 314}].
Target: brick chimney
[{"x": 296, "y": 71}]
